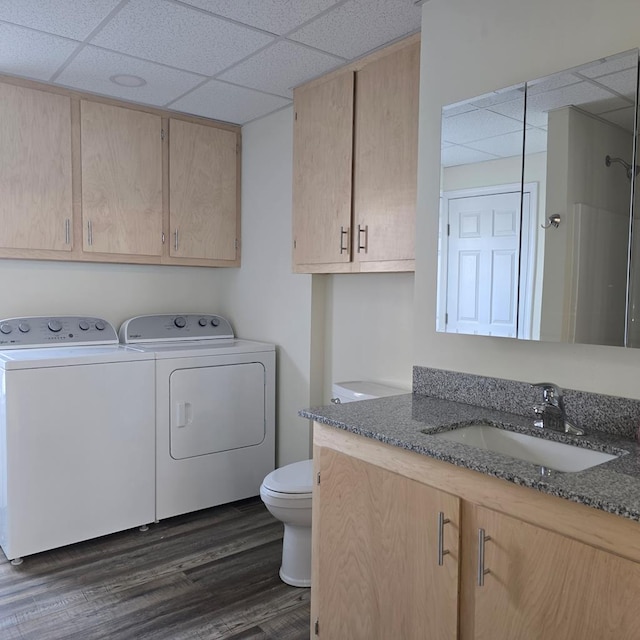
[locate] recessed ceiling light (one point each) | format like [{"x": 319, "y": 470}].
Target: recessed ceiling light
[{"x": 125, "y": 80}]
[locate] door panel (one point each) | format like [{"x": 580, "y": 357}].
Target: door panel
[{"x": 216, "y": 409}]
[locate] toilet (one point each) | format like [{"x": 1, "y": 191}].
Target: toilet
[{"x": 286, "y": 492}]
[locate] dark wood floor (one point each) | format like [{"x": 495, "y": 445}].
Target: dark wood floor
[{"x": 208, "y": 575}]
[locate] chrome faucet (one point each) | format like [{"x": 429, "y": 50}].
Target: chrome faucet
[{"x": 551, "y": 413}]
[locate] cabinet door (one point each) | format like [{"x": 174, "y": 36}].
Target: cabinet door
[
  {"x": 385, "y": 157},
  {"x": 121, "y": 180},
  {"x": 543, "y": 585},
  {"x": 375, "y": 554},
  {"x": 203, "y": 191},
  {"x": 322, "y": 166},
  {"x": 35, "y": 175}
]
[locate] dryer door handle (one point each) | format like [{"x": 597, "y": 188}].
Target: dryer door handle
[{"x": 183, "y": 414}]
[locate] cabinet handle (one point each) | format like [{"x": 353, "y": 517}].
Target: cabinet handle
[
  {"x": 344, "y": 246},
  {"x": 442, "y": 552},
  {"x": 363, "y": 246},
  {"x": 67, "y": 231},
  {"x": 89, "y": 233},
  {"x": 482, "y": 572},
  {"x": 175, "y": 239}
]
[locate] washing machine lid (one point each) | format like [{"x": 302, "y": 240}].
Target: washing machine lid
[
  {"x": 292, "y": 478},
  {"x": 15, "y": 359}
]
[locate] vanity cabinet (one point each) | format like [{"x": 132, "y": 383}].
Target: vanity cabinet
[
  {"x": 203, "y": 191},
  {"x": 355, "y": 165},
  {"x": 376, "y": 540},
  {"x": 121, "y": 180},
  {"x": 35, "y": 180},
  {"x": 554, "y": 569}
]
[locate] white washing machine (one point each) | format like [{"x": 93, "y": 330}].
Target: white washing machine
[
  {"x": 215, "y": 410},
  {"x": 77, "y": 433}
]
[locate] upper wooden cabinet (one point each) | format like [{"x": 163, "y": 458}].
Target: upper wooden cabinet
[
  {"x": 90, "y": 179},
  {"x": 355, "y": 165},
  {"x": 35, "y": 170},
  {"x": 203, "y": 191},
  {"x": 121, "y": 180}
]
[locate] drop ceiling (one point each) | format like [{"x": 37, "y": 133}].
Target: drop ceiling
[{"x": 231, "y": 60}]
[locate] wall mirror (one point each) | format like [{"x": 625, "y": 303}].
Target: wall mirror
[{"x": 537, "y": 190}]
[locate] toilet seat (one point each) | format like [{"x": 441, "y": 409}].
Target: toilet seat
[{"x": 295, "y": 480}]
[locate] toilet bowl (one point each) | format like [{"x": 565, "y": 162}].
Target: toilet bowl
[{"x": 286, "y": 492}]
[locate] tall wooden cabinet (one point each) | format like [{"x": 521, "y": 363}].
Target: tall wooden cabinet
[
  {"x": 544, "y": 567},
  {"x": 121, "y": 180},
  {"x": 355, "y": 165},
  {"x": 35, "y": 175},
  {"x": 203, "y": 191}
]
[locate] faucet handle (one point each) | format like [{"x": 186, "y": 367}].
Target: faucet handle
[{"x": 551, "y": 393}]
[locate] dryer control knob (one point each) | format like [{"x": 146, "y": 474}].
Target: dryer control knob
[
  {"x": 6, "y": 328},
  {"x": 100, "y": 326},
  {"x": 202, "y": 322},
  {"x": 215, "y": 322},
  {"x": 180, "y": 322},
  {"x": 54, "y": 325},
  {"x": 24, "y": 327},
  {"x": 84, "y": 325}
]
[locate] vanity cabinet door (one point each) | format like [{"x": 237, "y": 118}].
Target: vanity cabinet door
[
  {"x": 542, "y": 584},
  {"x": 121, "y": 180},
  {"x": 375, "y": 569}
]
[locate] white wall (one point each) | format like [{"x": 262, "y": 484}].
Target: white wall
[
  {"x": 369, "y": 329},
  {"x": 470, "y": 48},
  {"x": 112, "y": 291},
  {"x": 264, "y": 299}
]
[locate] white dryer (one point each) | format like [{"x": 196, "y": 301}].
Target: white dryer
[
  {"x": 77, "y": 433},
  {"x": 215, "y": 410}
]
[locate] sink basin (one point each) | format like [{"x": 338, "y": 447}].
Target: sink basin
[{"x": 546, "y": 453}]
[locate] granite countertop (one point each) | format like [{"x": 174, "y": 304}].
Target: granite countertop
[{"x": 408, "y": 420}]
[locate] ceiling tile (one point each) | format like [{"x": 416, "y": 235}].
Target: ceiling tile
[
  {"x": 91, "y": 69},
  {"x": 24, "y": 52},
  {"x": 227, "y": 102},
  {"x": 623, "y": 82},
  {"x": 175, "y": 35},
  {"x": 68, "y": 18},
  {"x": 477, "y": 125},
  {"x": 281, "y": 67},
  {"x": 275, "y": 16},
  {"x": 628, "y": 60},
  {"x": 536, "y": 141},
  {"x": 456, "y": 155},
  {"x": 624, "y": 118},
  {"x": 358, "y": 26},
  {"x": 504, "y": 146}
]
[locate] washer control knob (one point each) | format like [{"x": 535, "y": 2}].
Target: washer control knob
[
  {"x": 100, "y": 326},
  {"x": 215, "y": 322},
  {"x": 6, "y": 328},
  {"x": 180, "y": 322},
  {"x": 202, "y": 322},
  {"x": 84, "y": 325},
  {"x": 54, "y": 325},
  {"x": 24, "y": 327}
]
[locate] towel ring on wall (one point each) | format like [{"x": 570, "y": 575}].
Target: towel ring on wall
[{"x": 554, "y": 221}]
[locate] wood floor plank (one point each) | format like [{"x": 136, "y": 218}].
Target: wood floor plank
[{"x": 202, "y": 576}]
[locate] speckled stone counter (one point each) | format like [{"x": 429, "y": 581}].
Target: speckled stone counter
[{"x": 409, "y": 421}]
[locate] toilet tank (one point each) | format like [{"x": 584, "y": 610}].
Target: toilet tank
[{"x": 355, "y": 390}]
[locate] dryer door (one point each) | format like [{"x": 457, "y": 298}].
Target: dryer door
[{"x": 216, "y": 409}]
